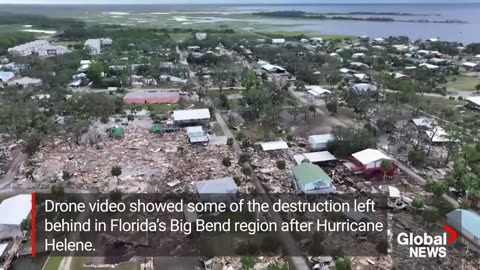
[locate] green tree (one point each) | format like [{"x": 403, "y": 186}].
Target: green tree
[
  {"x": 417, "y": 203},
  {"x": 246, "y": 171},
  {"x": 26, "y": 224},
  {"x": 386, "y": 166},
  {"x": 247, "y": 262},
  {"x": 94, "y": 73},
  {"x": 230, "y": 142},
  {"x": 66, "y": 175},
  {"x": 115, "y": 195},
  {"x": 343, "y": 263},
  {"x": 438, "y": 188},
  {"x": 347, "y": 141},
  {"x": 312, "y": 108},
  {"x": 57, "y": 190},
  {"x": 116, "y": 171},
  {"x": 226, "y": 162},
  {"x": 281, "y": 164},
  {"x": 477, "y": 87}
]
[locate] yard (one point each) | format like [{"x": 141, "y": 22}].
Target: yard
[
  {"x": 462, "y": 83},
  {"x": 53, "y": 263}
]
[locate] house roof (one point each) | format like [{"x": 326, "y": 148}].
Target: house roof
[
  {"x": 429, "y": 66},
  {"x": 364, "y": 87},
  {"x": 393, "y": 192},
  {"x": 275, "y": 145},
  {"x": 157, "y": 128},
  {"x": 26, "y": 81},
  {"x": 307, "y": 173},
  {"x": 195, "y": 129},
  {"x": 196, "y": 114},
  {"x": 475, "y": 100},
  {"x": 423, "y": 122},
  {"x": 369, "y": 155},
  {"x": 221, "y": 185},
  {"x": 316, "y": 90},
  {"x": 470, "y": 64},
  {"x": 468, "y": 220},
  {"x": 437, "y": 134},
  {"x": 147, "y": 95},
  {"x": 15, "y": 209},
  {"x": 321, "y": 138},
  {"x": 118, "y": 132},
  {"x": 3, "y": 246},
  {"x": 314, "y": 157},
  {"x": 6, "y": 75}
]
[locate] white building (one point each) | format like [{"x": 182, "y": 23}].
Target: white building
[
  {"x": 467, "y": 223},
  {"x": 317, "y": 91},
  {"x": 319, "y": 142},
  {"x": 278, "y": 40},
  {"x": 5, "y": 76},
  {"x": 94, "y": 45},
  {"x": 40, "y": 47},
  {"x": 275, "y": 145},
  {"x": 314, "y": 157},
  {"x": 26, "y": 82},
  {"x": 474, "y": 102},
  {"x": 185, "y": 117},
  {"x": 201, "y": 36}
]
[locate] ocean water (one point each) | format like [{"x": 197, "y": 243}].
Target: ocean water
[{"x": 466, "y": 33}]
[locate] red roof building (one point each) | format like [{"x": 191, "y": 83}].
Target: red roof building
[{"x": 151, "y": 98}]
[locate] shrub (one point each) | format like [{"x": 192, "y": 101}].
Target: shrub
[
  {"x": 281, "y": 164},
  {"x": 244, "y": 157},
  {"x": 226, "y": 162}
]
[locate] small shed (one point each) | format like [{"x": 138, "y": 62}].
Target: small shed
[
  {"x": 117, "y": 133},
  {"x": 319, "y": 142},
  {"x": 158, "y": 128},
  {"x": 222, "y": 189},
  {"x": 196, "y": 134},
  {"x": 311, "y": 179}
]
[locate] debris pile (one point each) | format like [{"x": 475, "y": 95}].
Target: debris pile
[
  {"x": 149, "y": 163},
  {"x": 234, "y": 263}
]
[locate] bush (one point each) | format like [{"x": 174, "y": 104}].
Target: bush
[
  {"x": 240, "y": 136},
  {"x": 58, "y": 190},
  {"x": 116, "y": 195},
  {"x": 226, "y": 162},
  {"x": 290, "y": 137},
  {"x": 230, "y": 142},
  {"x": 244, "y": 157},
  {"x": 281, "y": 164},
  {"x": 246, "y": 143},
  {"x": 417, "y": 157}
]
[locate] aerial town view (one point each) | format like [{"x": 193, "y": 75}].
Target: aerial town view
[{"x": 368, "y": 100}]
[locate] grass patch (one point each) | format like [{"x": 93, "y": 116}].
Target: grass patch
[
  {"x": 53, "y": 263},
  {"x": 463, "y": 83},
  {"x": 77, "y": 263}
]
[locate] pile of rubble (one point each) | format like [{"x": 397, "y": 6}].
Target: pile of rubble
[
  {"x": 274, "y": 179},
  {"x": 6, "y": 148},
  {"x": 234, "y": 263},
  {"x": 149, "y": 163}
]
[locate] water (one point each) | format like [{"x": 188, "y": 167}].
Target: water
[{"x": 466, "y": 33}]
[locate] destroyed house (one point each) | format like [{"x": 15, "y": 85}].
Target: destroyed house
[
  {"x": 311, "y": 179},
  {"x": 368, "y": 160},
  {"x": 191, "y": 117},
  {"x": 314, "y": 157},
  {"x": 222, "y": 189},
  {"x": 196, "y": 135},
  {"x": 467, "y": 223}
]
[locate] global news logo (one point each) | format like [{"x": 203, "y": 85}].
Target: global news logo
[{"x": 428, "y": 246}]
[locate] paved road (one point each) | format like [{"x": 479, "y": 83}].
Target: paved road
[{"x": 290, "y": 244}]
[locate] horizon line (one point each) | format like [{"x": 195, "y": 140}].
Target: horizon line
[{"x": 238, "y": 4}]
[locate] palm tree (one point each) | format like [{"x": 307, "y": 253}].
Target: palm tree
[
  {"x": 116, "y": 172},
  {"x": 247, "y": 263}
]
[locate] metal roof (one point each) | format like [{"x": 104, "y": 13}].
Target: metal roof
[
  {"x": 197, "y": 114},
  {"x": 314, "y": 157},
  {"x": 475, "y": 100},
  {"x": 276, "y": 145},
  {"x": 15, "y": 209},
  {"x": 221, "y": 185},
  {"x": 307, "y": 173},
  {"x": 152, "y": 95},
  {"x": 368, "y": 156},
  {"x": 467, "y": 220},
  {"x": 321, "y": 138}
]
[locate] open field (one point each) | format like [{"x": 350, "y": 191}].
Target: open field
[
  {"x": 53, "y": 263},
  {"x": 463, "y": 83}
]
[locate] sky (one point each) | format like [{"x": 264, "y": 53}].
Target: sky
[{"x": 225, "y": 1}]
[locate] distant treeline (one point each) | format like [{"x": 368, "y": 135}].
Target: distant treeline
[
  {"x": 320, "y": 16},
  {"x": 39, "y": 21},
  {"x": 8, "y": 40},
  {"x": 378, "y": 13}
]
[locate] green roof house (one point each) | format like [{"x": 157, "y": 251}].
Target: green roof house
[
  {"x": 311, "y": 179},
  {"x": 157, "y": 128},
  {"x": 117, "y": 133}
]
